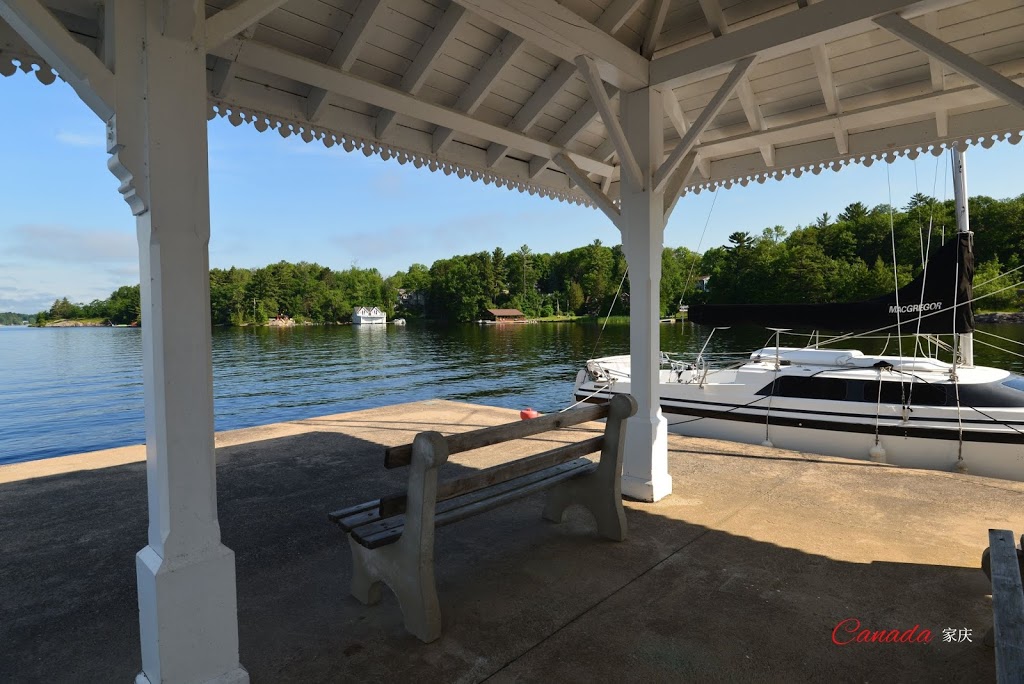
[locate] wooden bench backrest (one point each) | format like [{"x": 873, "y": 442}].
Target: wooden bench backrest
[
  {"x": 401, "y": 456},
  {"x": 620, "y": 408}
]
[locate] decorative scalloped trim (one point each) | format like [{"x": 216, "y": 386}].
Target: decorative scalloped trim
[
  {"x": 12, "y": 62},
  {"x": 836, "y": 164},
  {"x": 263, "y": 122}
]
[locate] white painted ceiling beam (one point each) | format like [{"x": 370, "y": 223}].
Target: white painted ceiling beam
[
  {"x": 229, "y": 22},
  {"x": 987, "y": 78},
  {"x": 223, "y": 73},
  {"x": 417, "y": 73},
  {"x": 225, "y": 69},
  {"x": 938, "y": 74},
  {"x": 576, "y": 124},
  {"x": 289, "y": 65},
  {"x": 604, "y": 150},
  {"x": 346, "y": 51},
  {"x": 478, "y": 89},
  {"x": 534, "y": 107},
  {"x": 563, "y": 33},
  {"x": 865, "y": 118},
  {"x": 823, "y": 69},
  {"x": 617, "y": 14},
  {"x": 654, "y": 27},
  {"x": 678, "y": 118},
  {"x": 596, "y": 194},
  {"x": 826, "y": 81},
  {"x": 75, "y": 63},
  {"x": 744, "y": 91},
  {"x": 707, "y": 115},
  {"x": 674, "y": 189},
  {"x": 612, "y": 125},
  {"x": 821, "y": 22}
]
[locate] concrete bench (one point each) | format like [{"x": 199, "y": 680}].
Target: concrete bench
[
  {"x": 1002, "y": 563},
  {"x": 392, "y": 538}
]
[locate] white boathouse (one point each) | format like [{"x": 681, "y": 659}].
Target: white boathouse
[
  {"x": 369, "y": 316},
  {"x": 622, "y": 105}
]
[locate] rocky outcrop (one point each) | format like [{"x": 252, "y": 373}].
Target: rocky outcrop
[{"x": 77, "y": 324}]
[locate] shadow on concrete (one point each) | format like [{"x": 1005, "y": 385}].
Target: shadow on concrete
[{"x": 521, "y": 599}]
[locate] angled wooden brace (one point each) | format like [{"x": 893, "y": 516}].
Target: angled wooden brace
[
  {"x": 706, "y": 117},
  {"x": 231, "y": 21},
  {"x": 595, "y": 193},
  {"x": 75, "y": 63},
  {"x": 588, "y": 69},
  {"x": 987, "y": 78}
]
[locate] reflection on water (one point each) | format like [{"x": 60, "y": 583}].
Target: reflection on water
[{"x": 71, "y": 390}]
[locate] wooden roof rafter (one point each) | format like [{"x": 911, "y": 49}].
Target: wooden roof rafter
[{"x": 503, "y": 98}]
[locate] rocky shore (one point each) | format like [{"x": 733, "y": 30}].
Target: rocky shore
[
  {"x": 1000, "y": 317},
  {"x": 77, "y": 324}
]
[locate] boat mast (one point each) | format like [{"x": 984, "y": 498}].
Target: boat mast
[{"x": 966, "y": 340}]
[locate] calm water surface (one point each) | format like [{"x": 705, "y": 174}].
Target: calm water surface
[{"x": 72, "y": 390}]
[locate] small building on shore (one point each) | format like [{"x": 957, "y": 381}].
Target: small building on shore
[
  {"x": 505, "y": 315},
  {"x": 368, "y": 316}
]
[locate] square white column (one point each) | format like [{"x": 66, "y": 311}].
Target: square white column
[
  {"x": 645, "y": 468},
  {"x": 186, "y": 577}
]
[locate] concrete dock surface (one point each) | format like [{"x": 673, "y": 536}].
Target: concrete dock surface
[{"x": 742, "y": 574}]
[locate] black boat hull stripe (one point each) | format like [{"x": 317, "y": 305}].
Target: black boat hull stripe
[{"x": 811, "y": 424}]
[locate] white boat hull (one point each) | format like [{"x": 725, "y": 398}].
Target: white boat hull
[{"x": 987, "y": 441}]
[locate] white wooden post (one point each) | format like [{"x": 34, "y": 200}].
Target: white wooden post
[
  {"x": 186, "y": 577},
  {"x": 645, "y": 465}
]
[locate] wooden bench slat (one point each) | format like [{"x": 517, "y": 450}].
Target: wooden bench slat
[
  {"x": 351, "y": 510},
  {"x": 388, "y": 530},
  {"x": 1007, "y": 606},
  {"x": 394, "y": 504},
  {"x": 364, "y": 517},
  {"x": 401, "y": 456}
]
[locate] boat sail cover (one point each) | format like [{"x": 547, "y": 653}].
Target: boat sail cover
[{"x": 939, "y": 299}]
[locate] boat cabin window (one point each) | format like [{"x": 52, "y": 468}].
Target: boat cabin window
[
  {"x": 807, "y": 388},
  {"x": 838, "y": 389},
  {"x": 918, "y": 394},
  {"x": 1015, "y": 382}
]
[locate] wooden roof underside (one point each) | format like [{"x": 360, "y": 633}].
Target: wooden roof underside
[{"x": 445, "y": 85}]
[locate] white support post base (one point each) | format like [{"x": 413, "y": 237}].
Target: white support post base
[
  {"x": 188, "y": 614},
  {"x": 645, "y": 468},
  {"x": 645, "y": 463}
]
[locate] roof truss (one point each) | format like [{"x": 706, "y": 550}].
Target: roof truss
[
  {"x": 815, "y": 24},
  {"x": 229, "y": 22},
  {"x": 565, "y": 34},
  {"x": 418, "y": 71},
  {"x": 346, "y": 51},
  {"x": 987, "y": 78},
  {"x": 474, "y": 95}
]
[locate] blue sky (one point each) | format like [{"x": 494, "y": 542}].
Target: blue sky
[{"x": 65, "y": 231}]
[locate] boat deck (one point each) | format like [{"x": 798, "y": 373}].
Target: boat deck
[{"x": 741, "y": 575}]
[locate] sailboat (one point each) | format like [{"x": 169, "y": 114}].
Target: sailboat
[{"x": 906, "y": 410}]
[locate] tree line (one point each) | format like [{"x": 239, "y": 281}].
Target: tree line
[
  {"x": 12, "y": 318},
  {"x": 845, "y": 258},
  {"x": 850, "y": 257}
]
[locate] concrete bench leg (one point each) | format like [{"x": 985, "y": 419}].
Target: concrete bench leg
[
  {"x": 601, "y": 490},
  {"x": 407, "y": 566},
  {"x": 409, "y": 574},
  {"x": 597, "y": 497}
]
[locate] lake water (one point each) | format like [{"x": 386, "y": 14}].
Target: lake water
[{"x": 73, "y": 390}]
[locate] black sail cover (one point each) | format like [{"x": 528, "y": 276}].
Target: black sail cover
[{"x": 944, "y": 308}]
